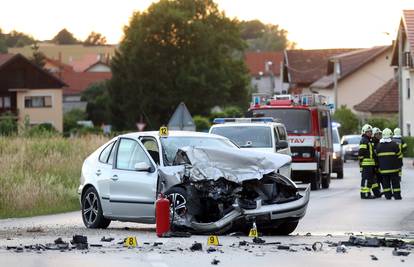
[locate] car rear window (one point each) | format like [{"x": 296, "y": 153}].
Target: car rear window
[
  {"x": 246, "y": 136},
  {"x": 335, "y": 135},
  {"x": 296, "y": 121},
  {"x": 353, "y": 139}
]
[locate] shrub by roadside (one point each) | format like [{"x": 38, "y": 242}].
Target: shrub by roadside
[
  {"x": 40, "y": 175},
  {"x": 410, "y": 146}
]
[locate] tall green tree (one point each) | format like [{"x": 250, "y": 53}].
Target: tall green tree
[
  {"x": 64, "y": 37},
  {"x": 38, "y": 58},
  {"x": 95, "y": 38},
  {"x": 183, "y": 50},
  {"x": 3, "y": 46},
  {"x": 265, "y": 37},
  {"x": 18, "y": 39},
  {"x": 98, "y": 101},
  {"x": 348, "y": 120}
]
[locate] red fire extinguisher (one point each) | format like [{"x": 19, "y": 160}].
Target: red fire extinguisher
[{"x": 162, "y": 215}]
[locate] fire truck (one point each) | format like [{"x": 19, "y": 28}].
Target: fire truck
[{"x": 308, "y": 124}]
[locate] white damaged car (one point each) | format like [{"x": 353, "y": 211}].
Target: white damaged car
[{"x": 213, "y": 186}]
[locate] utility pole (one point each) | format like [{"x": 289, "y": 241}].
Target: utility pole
[
  {"x": 281, "y": 77},
  {"x": 335, "y": 80},
  {"x": 400, "y": 79}
]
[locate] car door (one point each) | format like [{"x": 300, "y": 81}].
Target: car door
[
  {"x": 281, "y": 136},
  {"x": 132, "y": 192}
]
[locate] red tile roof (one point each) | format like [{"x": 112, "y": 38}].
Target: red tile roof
[
  {"x": 383, "y": 100},
  {"x": 256, "y": 62},
  {"x": 79, "y": 81},
  {"x": 59, "y": 64},
  {"x": 349, "y": 63},
  {"x": 85, "y": 62},
  {"x": 407, "y": 22},
  {"x": 306, "y": 66}
]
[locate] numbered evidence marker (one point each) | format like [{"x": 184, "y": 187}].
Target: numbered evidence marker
[
  {"x": 130, "y": 241},
  {"x": 212, "y": 240},
  {"x": 163, "y": 131}
]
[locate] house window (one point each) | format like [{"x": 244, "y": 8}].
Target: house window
[
  {"x": 38, "y": 101},
  {"x": 408, "y": 129},
  {"x": 408, "y": 89},
  {"x": 5, "y": 102}
]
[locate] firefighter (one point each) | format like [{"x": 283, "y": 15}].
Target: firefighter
[
  {"x": 377, "y": 135},
  {"x": 397, "y": 138},
  {"x": 366, "y": 156},
  {"x": 389, "y": 164}
]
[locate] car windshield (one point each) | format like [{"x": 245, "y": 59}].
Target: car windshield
[
  {"x": 246, "y": 136},
  {"x": 297, "y": 121},
  {"x": 353, "y": 140},
  {"x": 172, "y": 144},
  {"x": 335, "y": 135}
]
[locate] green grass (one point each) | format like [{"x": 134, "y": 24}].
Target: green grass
[{"x": 40, "y": 175}]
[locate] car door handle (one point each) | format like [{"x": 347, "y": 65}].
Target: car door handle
[
  {"x": 114, "y": 178},
  {"x": 98, "y": 172}
]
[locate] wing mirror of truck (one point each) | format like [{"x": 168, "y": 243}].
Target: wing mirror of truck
[
  {"x": 344, "y": 143},
  {"x": 282, "y": 144}
]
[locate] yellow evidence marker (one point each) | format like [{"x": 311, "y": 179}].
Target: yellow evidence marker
[
  {"x": 130, "y": 241},
  {"x": 253, "y": 232},
  {"x": 212, "y": 240},
  {"x": 163, "y": 131}
]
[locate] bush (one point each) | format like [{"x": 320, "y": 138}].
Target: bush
[
  {"x": 41, "y": 130},
  {"x": 71, "y": 118},
  {"x": 410, "y": 146},
  {"x": 228, "y": 112},
  {"x": 8, "y": 125},
  {"x": 348, "y": 120},
  {"x": 383, "y": 123},
  {"x": 202, "y": 123}
]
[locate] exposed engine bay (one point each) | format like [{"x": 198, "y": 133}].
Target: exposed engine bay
[{"x": 221, "y": 186}]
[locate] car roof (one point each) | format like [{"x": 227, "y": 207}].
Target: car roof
[
  {"x": 265, "y": 124},
  {"x": 173, "y": 133}
]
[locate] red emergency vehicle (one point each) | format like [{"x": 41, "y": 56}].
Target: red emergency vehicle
[{"x": 308, "y": 124}]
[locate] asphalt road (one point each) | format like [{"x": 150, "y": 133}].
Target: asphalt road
[{"x": 332, "y": 216}]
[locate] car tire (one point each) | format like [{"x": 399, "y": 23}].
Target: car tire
[
  {"x": 178, "y": 201},
  {"x": 315, "y": 180},
  {"x": 326, "y": 181},
  {"x": 340, "y": 174},
  {"x": 92, "y": 214},
  {"x": 285, "y": 228}
]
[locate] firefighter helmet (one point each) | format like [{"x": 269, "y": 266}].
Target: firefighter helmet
[
  {"x": 387, "y": 133},
  {"x": 366, "y": 128},
  {"x": 376, "y": 130},
  {"x": 397, "y": 132}
]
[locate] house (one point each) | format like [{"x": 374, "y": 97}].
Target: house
[
  {"x": 29, "y": 92},
  {"x": 359, "y": 74},
  {"x": 264, "y": 69},
  {"x": 403, "y": 51},
  {"x": 91, "y": 63},
  {"x": 303, "y": 67},
  {"x": 382, "y": 103}
]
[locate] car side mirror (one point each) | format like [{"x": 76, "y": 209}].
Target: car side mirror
[
  {"x": 344, "y": 143},
  {"x": 282, "y": 144},
  {"x": 142, "y": 167}
]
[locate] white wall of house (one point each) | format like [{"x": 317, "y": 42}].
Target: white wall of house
[
  {"x": 264, "y": 85},
  {"x": 408, "y": 97}
]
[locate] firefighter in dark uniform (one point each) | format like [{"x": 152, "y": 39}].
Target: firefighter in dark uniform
[
  {"x": 377, "y": 135},
  {"x": 366, "y": 156},
  {"x": 402, "y": 145},
  {"x": 388, "y": 153}
]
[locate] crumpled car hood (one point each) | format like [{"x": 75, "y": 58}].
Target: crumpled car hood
[{"x": 231, "y": 164}]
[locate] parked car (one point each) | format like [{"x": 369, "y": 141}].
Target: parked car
[
  {"x": 212, "y": 185},
  {"x": 337, "y": 158},
  {"x": 350, "y": 146}
]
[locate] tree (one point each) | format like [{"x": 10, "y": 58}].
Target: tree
[
  {"x": 95, "y": 38},
  {"x": 38, "y": 58},
  {"x": 3, "y": 46},
  {"x": 64, "y": 37},
  {"x": 18, "y": 39},
  {"x": 383, "y": 123},
  {"x": 71, "y": 118},
  {"x": 348, "y": 120},
  {"x": 98, "y": 100},
  {"x": 184, "y": 50},
  {"x": 265, "y": 37}
]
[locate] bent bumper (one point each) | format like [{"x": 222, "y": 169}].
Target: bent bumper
[{"x": 294, "y": 209}]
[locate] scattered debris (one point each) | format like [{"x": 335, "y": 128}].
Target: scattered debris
[
  {"x": 292, "y": 250},
  {"x": 397, "y": 252},
  {"x": 96, "y": 245},
  {"x": 196, "y": 246},
  {"x": 283, "y": 247},
  {"x": 215, "y": 261},
  {"x": 308, "y": 248},
  {"x": 242, "y": 243},
  {"x": 80, "y": 242},
  {"x": 156, "y": 244},
  {"x": 35, "y": 230},
  {"x": 317, "y": 246},
  {"x": 374, "y": 258},
  {"x": 107, "y": 239},
  {"x": 329, "y": 235},
  {"x": 341, "y": 249},
  {"x": 374, "y": 242},
  {"x": 258, "y": 240},
  {"x": 211, "y": 249},
  {"x": 308, "y": 234},
  {"x": 176, "y": 234}
]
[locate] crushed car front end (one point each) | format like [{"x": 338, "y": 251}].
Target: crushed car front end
[{"x": 227, "y": 188}]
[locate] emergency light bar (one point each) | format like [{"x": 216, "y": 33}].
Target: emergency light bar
[{"x": 241, "y": 120}]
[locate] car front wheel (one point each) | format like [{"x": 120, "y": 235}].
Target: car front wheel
[{"x": 92, "y": 214}]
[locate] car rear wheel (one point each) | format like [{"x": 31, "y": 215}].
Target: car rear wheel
[{"x": 92, "y": 214}]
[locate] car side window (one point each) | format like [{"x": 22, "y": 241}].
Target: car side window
[
  {"x": 129, "y": 154},
  {"x": 111, "y": 156},
  {"x": 103, "y": 157},
  {"x": 282, "y": 133},
  {"x": 152, "y": 147}
]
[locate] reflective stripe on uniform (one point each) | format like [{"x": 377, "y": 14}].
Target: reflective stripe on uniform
[
  {"x": 389, "y": 171},
  {"x": 383, "y": 154},
  {"x": 386, "y": 190},
  {"x": 363, "y": 146},
  {"x": 368, "y": 162},
  {"x": 396, "y": 190},
  {"x": 365, "y": 190},
  {"x": 374, "y": 185},
  {"x": 404, "y": 145}
]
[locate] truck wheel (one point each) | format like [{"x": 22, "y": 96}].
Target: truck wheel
[
  {"x": 316, "y": 180},
  {"x": 340, "y": 174},
  {"x": 326, "y": 180}
]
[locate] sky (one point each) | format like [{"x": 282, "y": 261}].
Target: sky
[{"x": 311, "y": 23}]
